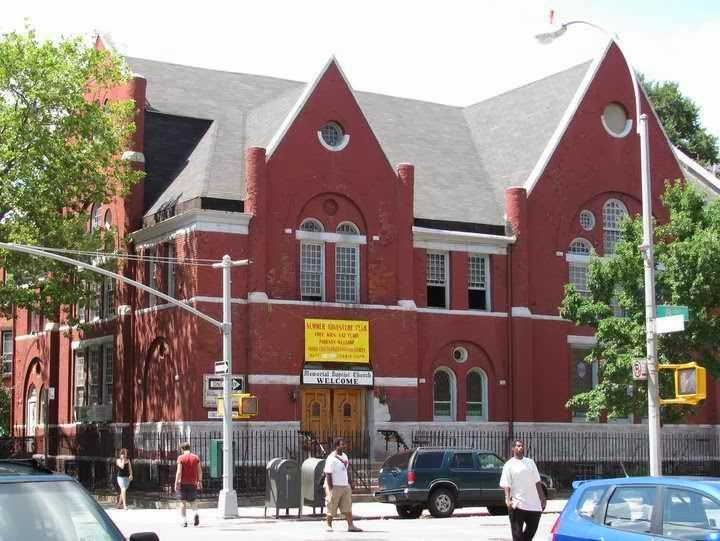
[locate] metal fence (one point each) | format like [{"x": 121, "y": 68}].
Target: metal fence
[
  {"x": 569, "y": 456},
  {"x": 89, "y": 455}
]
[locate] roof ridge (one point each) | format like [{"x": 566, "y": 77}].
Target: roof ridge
[{"x": 530, "y": 83}]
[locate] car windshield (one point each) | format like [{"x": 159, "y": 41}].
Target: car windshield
[
  {"x": 58, "y": 510},
  {"x": 399, "y": 461}
]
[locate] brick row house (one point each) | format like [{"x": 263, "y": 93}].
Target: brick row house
[{"x": 441, "y": 236}]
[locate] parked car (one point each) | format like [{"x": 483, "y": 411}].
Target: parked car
[
  {"x": 642, "y": 508},
  {"x": 443, "y": 480},
  {"x": 36, "y": 504}
]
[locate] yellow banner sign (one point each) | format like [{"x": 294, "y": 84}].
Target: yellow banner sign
[{"x": 337, "y": 341}]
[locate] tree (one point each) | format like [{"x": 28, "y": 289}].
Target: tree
[
  {"x": 680, "y": 117},
  {"x": 4, "y": 411},
  {"x": 687, "y": 252},
  {"x": 61, "y": 147}
]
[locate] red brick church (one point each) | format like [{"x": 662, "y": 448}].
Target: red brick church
[{"x": 408, "y": 258}]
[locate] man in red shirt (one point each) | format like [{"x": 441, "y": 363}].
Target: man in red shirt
[{"x": 188, "y": 480}]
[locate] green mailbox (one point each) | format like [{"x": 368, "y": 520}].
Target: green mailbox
[{"x": 216, "y": 458}]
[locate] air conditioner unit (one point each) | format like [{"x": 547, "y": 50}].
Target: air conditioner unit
[{"x": 81, "y": 414}]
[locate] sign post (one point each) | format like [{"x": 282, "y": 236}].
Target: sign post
[{"x": 639, "y": 370}]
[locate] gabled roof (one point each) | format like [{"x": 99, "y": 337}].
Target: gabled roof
[{"x": 464, "y": 158}]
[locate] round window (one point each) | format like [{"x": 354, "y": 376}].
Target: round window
[
  {"x": 587, "y": 220},
  {"x": 459, "y": 354},
  {"x": 333, "y": 136},
  {"x": 616, "y": 121}
]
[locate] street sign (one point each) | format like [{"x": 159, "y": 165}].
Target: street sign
[
  {"x": 213, "y": 388},
  {"x": 665, "y": 310},
  {"x": 668, "y": 324},
  {"x": 221, "y": 367},
  {"x": 639, "y": 369}
]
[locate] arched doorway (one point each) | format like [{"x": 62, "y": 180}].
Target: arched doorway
[{"x": 159, "y": 383}]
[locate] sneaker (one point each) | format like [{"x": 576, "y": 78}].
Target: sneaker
[
  {"x": 184, "y": 524},
  {"x": 196, "y": 520}
]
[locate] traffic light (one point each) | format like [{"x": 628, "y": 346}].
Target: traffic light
[
  {"x": 244, "y": 406},
  {"x": 690, "y": 382}
]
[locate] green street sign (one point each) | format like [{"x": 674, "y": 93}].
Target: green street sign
[{"x": 665, "y": 310}]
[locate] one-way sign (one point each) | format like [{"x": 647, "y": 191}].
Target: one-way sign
[
  {"x": 213, "y": 388},
  {"x": 221, "y": 367}
]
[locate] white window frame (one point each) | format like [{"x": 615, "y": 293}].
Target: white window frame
[
  {"x": 306, "y": 244},
  {"x": 7, "y": 353},
  {"x": 94, "y": 372},
  {"x": 453, "y": 395},
  {"x": 485, "y": 403},
  {"x": 108, "y": 360},
  {"x": 486, "y": 263},
  {"x": 171, "y": 267},
  {"x": 152, "y": 275},
  {"x": 446, "y": 258},
  {"x": 31, "y": 421},
  {"x": 95, "y": 217},
  {"x": 579, "y": 261},
  {"x": 80, "y": 379},
  {"x": 356, "y": 250},
  {"x": 108, "y": 307},
  {"x": 614, "y": 228}
]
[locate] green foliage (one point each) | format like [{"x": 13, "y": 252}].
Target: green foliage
[
  {"x": 687, "y": 254},
  {"x": 61, "y": 147},
  {"x": 681, "y": 118},
  {"x": 4, "y": 411}
]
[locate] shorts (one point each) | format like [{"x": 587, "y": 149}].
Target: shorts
[
  {"x": 123, "y": 482},
  {"x": 187, "y": 493},
  {"x": 339, "y": 497}
]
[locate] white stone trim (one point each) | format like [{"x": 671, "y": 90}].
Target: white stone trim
[
  {"x": 450, "y": 312},
  {"x": 407, "y": 304},
  {"x": 395, "y": 382},
  {"x": 341, "y": 146},
  {"x": 577, "y": 258},
  {"x": 321, "y": 304},
  {"x": 51, "y": 326},
  {"x": 547, "y": 317},
  {"x": 32, "y": 336},
  {"x": 156, "y": 308},
  {"x": 124, "y": 309},
  {"x": 215, "y": 300},
  {"x": 460, "y": 241},
  {"x": 211, "y": 221},
  {"x": 133, "y": 156},
  {"x": 89, "y": 342},
  {"x": 577, "y": 340},
  {"x": 257, "y": 297},
  {"x": 567, "y": 117},
  {"x": 697, "y": 170},
  {"x": 520, "y": 311},
  {"x": 273, "y": 379},
  {"x": 316, "y": 236}
]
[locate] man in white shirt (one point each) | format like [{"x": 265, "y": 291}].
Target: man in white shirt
[
  {"x": 338, "y": 490},
  {"x": 524, "y": 495}
]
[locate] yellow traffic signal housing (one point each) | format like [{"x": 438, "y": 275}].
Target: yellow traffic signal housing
[
  {"x": 244, "y": 406},
  {"x": 690, "y": 383}
]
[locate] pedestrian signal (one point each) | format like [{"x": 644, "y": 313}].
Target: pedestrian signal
[
  {"x": 244, "y": 406},
  {"x": 690, "y": 383}
]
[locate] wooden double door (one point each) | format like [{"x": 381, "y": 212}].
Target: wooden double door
[{"x": 336, "y": 411}]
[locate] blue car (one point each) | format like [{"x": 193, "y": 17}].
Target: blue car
[{"x": 642, "y": 508}]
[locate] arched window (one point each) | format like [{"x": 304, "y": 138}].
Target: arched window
[
  {"x": 614, "y": 212},
  {"x": 476, "y": 396},
  {"x": 347, "y": 266},
  {"x": 312, "y": 263},
  {"x": 578, "y": 258},
  {"x": 95, "y": 217},
  {"x": 444, "y": 395}
]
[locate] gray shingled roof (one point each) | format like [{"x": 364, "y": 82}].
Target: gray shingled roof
[{"x": 464, "y": 157}]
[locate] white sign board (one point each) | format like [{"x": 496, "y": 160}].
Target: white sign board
[
  {"x": 319, "y": 376},
  {"x": 667, "y": 324},
  {"x": 221, "y": 367},
  {"x": 213, "y": 388},
  {"x": 639, "y": 369}
]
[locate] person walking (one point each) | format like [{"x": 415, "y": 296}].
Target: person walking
[
  {"x": 124, "y": 476},
  {"x": 188, "y": 480},
  {"x": 524, "y": 494},
  {"x": 338, "y": 487}
]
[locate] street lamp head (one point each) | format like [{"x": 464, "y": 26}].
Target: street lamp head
[{"x": 549, "y": 37}]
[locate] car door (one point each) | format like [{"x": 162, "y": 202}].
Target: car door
[
  {"x": 490, "y": 467},
  {"x": 465, "y": 474},
  {"x": 630, "y": 513},
  {"x": 689, "y": 514}
]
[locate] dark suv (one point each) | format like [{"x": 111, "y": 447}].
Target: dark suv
[
  {"x": 36, "y": 503},
  {"x": 443, "y": 480}
]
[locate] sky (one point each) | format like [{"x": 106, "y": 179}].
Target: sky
[{"x": 456, "y": 52}]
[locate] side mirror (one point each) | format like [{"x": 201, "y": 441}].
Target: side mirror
[{"x": 144, "y": 536}]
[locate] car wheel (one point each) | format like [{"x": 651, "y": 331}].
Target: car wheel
[
  {"x": 441, "y": 503},
  {"x": 409, "y": 511},
  {"x": 497, "y": 510}
]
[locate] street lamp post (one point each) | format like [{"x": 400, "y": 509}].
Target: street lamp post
[
  {"x": 647, "y": 252},
  {"x": 227, "y": 502}
]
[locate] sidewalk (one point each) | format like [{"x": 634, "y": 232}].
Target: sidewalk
[{"x": 361, "y": 510}]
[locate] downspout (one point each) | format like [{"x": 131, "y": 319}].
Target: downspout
[{"x": 510, "y": 352}]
